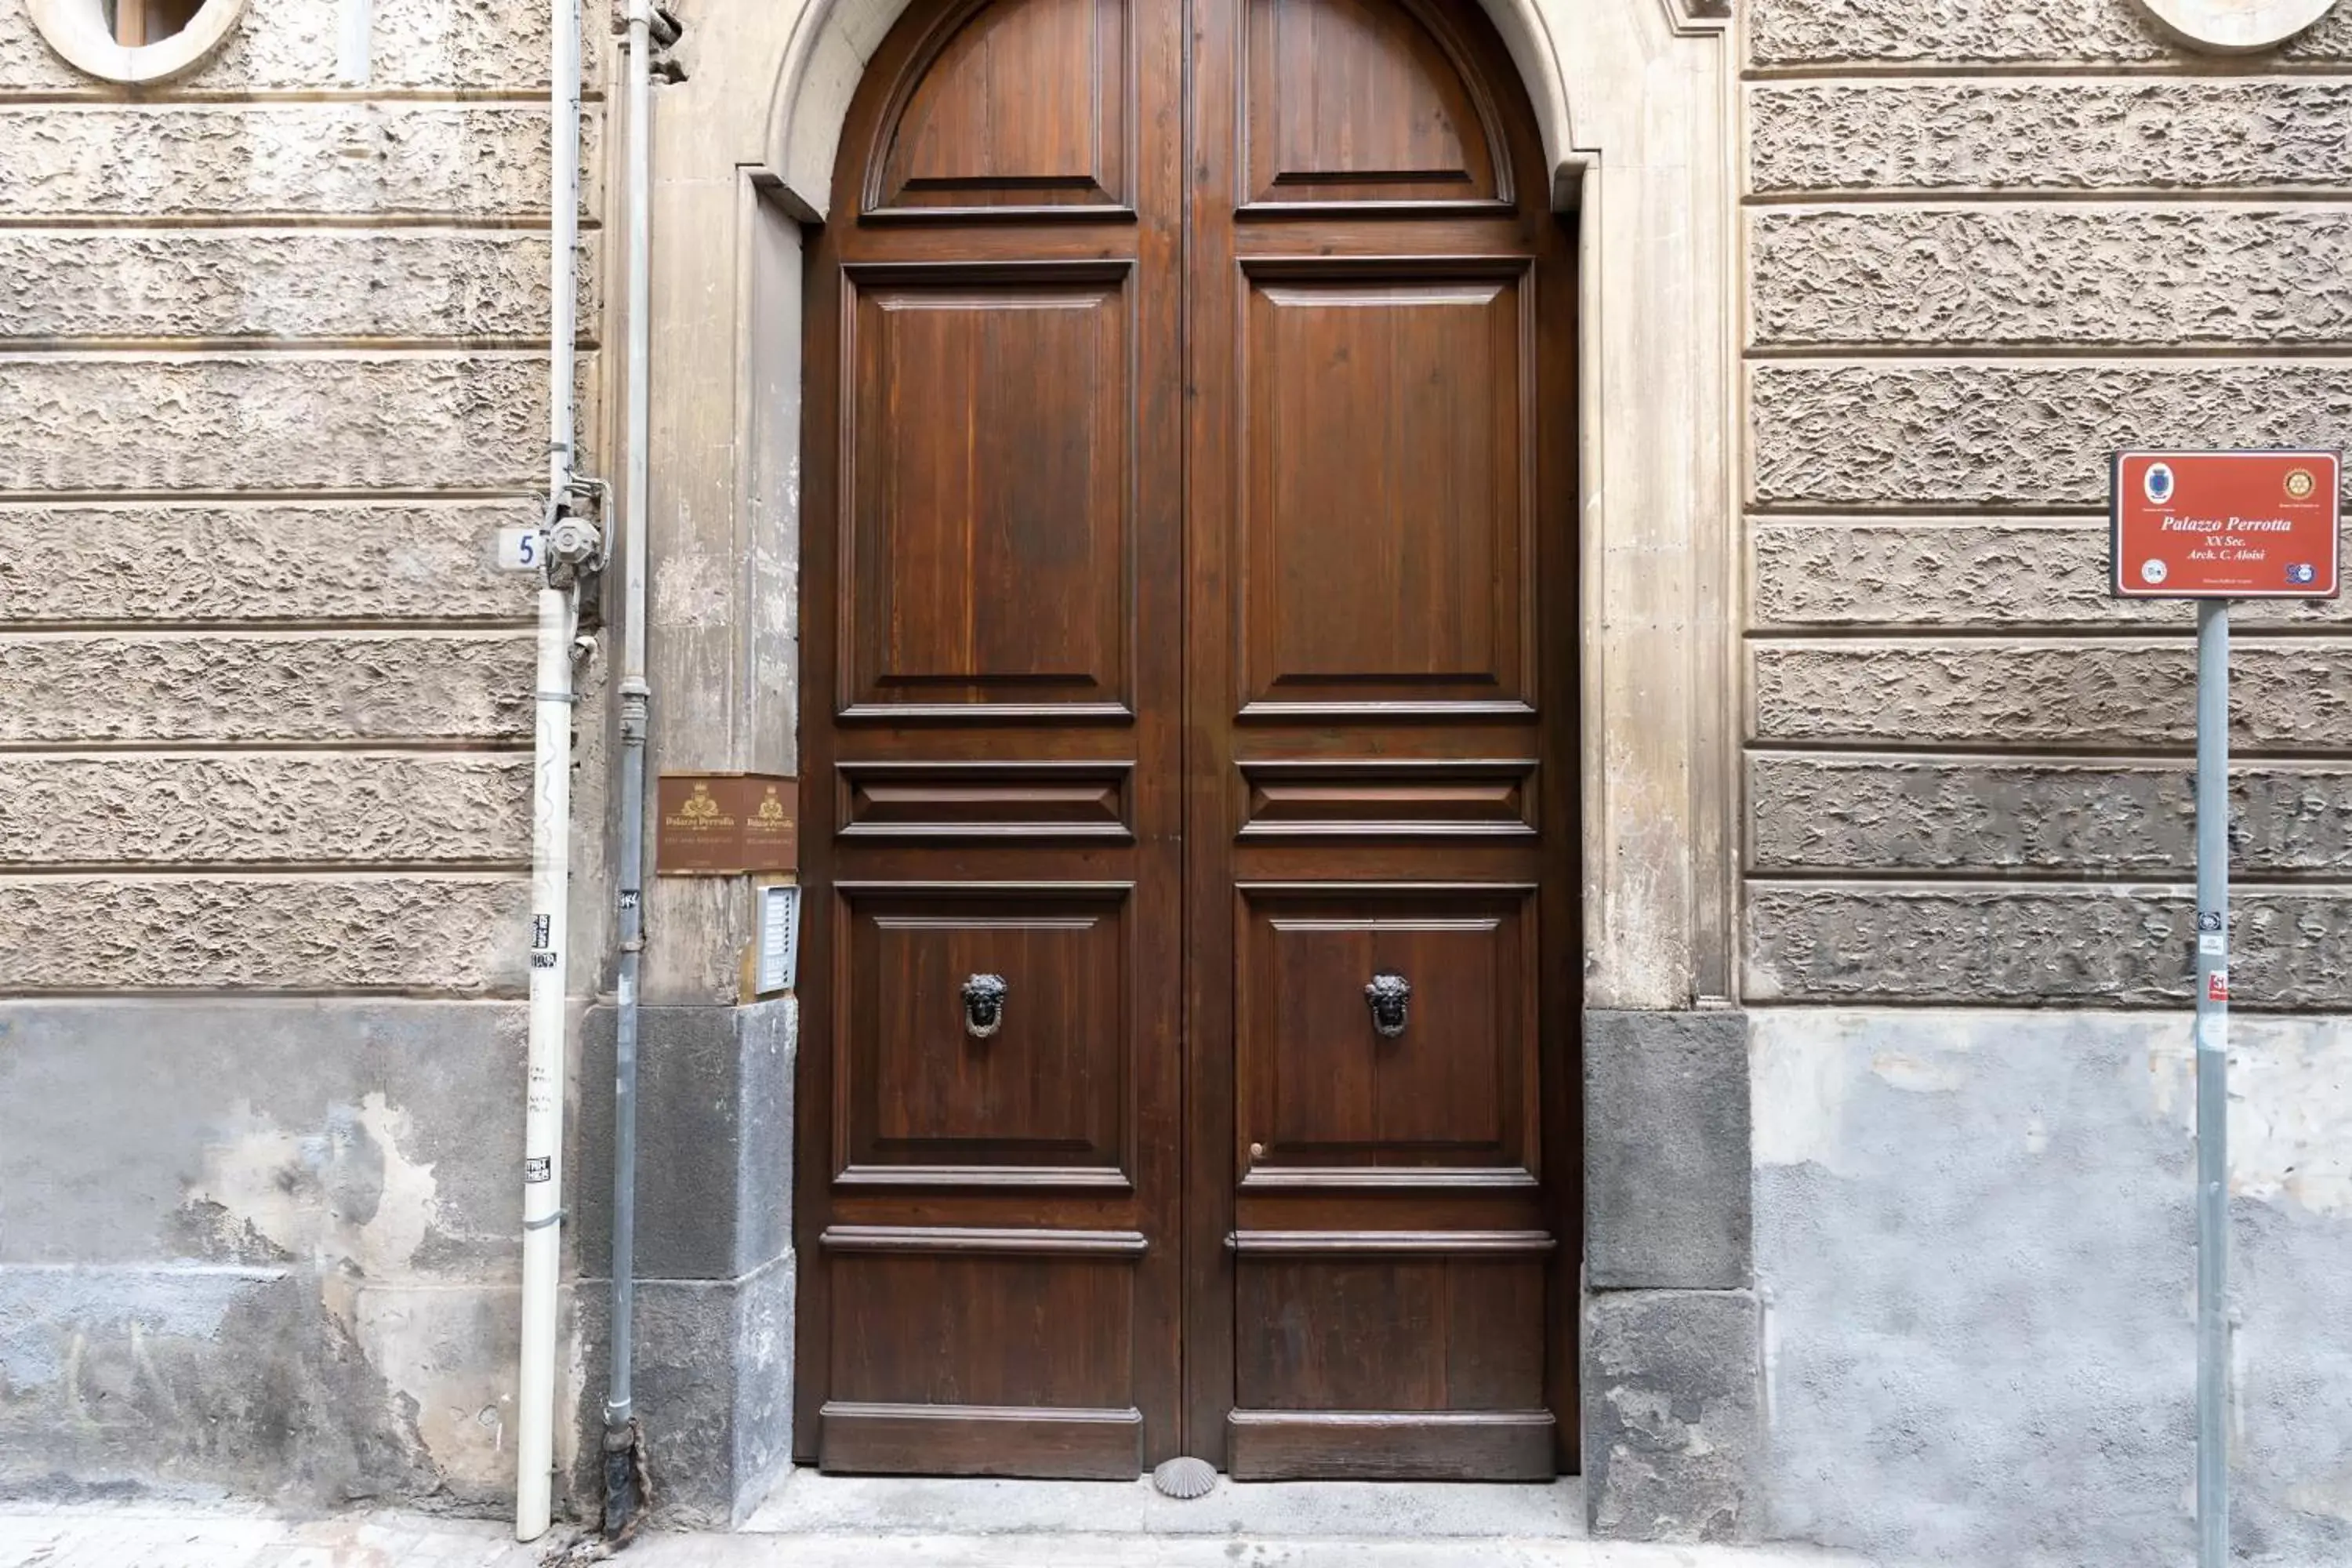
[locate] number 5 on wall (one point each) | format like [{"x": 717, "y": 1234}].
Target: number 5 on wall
[{"x": 520, "y": 549}]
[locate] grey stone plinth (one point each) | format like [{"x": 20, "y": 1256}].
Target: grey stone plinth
[
  {"x": 713, "y": 1363},
  {"x": 713, "y": 1374},
  {"x": 714, "y": 1129},
  {"x": 1673, "y": 1416},
  {"x": 1667, "y": 1168}
]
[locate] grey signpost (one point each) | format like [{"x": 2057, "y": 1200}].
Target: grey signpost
[
  {"x": 2217, "y": 526},
  {"x": 2212, "y": 1081}
]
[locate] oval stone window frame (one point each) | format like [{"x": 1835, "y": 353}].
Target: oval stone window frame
[
  {"x": 76, "y": 29},
  {"x": 2236, "y": 26}
]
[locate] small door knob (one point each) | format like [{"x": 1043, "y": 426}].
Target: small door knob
[
  {"x": 983, "y": 1004},
  {"x": 1389, "y": 995}
]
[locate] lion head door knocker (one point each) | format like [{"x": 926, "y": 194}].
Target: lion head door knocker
[
  {"x": 983, "y": 1005},
  {"x": 1388, "y": 993}
]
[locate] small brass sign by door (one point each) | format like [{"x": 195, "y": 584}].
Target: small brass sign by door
[{"x": 724, "y": 825}]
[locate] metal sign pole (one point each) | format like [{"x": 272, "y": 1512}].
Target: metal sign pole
[
  {"x": 2214, "y": 526},
  {"x": 2212, "y": 1081}
]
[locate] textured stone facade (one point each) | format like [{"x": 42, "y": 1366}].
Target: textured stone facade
[
  {"x": 1960, "y": 573},
  {"x": 1994, "y": 946},
  {"x": 1937, "y": 277},
  {"x": 1969, "y": 433},
  {"x": 1885, "y": 866},
  {"x": 2286, "y": 695},
  {"x": 1988, "y": 244},
  {"x": 171, "y": 687},
  {"x": 211, "y": 421},
  {"x": 1833, "y": 814},
  {"x": 332, "y": 284},
  {"x": 415, "y": 46},
  {"x": 388, "y": 159},
  {"x": 1987, "y": 33},
  {"x": 2179, "y": 134},
  {"x": 275, "y": 375},
  {"x": 216, "y": 562},
  {"x": 263, "y": 807}
]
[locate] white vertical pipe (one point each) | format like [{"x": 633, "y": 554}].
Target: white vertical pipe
[
  {"x": 542, "y": 1180},
  {"x": 551, "y": 835},
  {"x": 351, "y": 44}
]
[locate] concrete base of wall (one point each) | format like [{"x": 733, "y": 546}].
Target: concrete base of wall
[
  {"x": 261, "y": 1248},
  {"x": 1976, "y": 1255}
]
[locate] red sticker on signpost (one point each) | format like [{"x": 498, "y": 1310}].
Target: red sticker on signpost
[
  {"x": 2225, "y": 525},
  {"x": 2217, "y": 985}
]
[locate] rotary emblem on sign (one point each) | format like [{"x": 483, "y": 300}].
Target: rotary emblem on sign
[{"x": 2300, "y": 484}]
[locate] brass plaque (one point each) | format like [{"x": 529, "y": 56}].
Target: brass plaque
[
  {"x": 724, "y": 825},
  {"x": 771, "y": 823}
]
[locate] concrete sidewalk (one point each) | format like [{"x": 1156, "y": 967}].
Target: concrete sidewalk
[
  {"x": 129, "y": 1538},
  {"x": 824, "y": 1521}
]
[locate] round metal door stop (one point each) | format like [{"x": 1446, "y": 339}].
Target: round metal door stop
[{"x": 1185, "y": 1478}]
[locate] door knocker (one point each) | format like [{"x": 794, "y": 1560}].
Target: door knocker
[
  {"x": 1388, "y": 993},
  {"x": 983, "y": 1004}
]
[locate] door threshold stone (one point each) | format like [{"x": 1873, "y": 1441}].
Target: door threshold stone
[{"x": 808, "y": 1502}]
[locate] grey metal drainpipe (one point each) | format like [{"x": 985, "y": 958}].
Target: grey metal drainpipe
[{"x": 624, "y": 1435}]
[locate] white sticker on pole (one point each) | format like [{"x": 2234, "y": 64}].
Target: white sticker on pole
[{"x": 521, "y": 549}]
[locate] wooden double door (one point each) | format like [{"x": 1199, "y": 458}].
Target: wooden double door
[{"x": 1188, "y": 693}]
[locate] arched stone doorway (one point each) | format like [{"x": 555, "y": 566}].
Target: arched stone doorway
[
  {"x": 743, "y": 153},
  {"x": 1189, "y": 1055}
]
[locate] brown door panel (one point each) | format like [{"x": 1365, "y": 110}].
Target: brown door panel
[
  {"x": 1188, "y": 554},
  {"x": 1385, "y": 526},
  {"x": 976, "y": 133},
  {"x": 1348, "y": 101},
  {"x": 982, "y": 1034},
  {"x": 990, "y": 530},
  {"x": 984, "y": 1353},
  {"x": 1392, "y": 1354},
  {"x": 1384, "y": 1033}
]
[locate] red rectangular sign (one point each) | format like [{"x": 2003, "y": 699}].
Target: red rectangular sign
[{"x": 2225, "y": 525}]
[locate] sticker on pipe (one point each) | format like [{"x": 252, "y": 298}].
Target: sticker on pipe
[{"x": 2225, "y": 525}]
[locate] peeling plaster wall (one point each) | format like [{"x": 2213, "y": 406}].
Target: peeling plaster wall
[
  {"x": 1976, "y": 1249},
  {"x": 259, "y": 1246},
  {"x": 1986, "y": 244},
  {"x": 272, "y": 374}
]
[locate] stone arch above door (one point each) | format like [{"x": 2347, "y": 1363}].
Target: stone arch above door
[{"x": 828, "y": 47}]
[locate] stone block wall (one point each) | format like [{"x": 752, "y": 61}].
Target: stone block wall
[
  {"x": 1985, "y": 245},
  {"x": 272, "y": 373}
]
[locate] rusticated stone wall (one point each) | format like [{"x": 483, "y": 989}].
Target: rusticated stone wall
[
  {"x": 272, "y": 374},
  {"x": 1986, "y": 244}
]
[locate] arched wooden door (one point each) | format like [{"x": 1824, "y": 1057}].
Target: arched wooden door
[{"x": 1189, "y": 724}]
